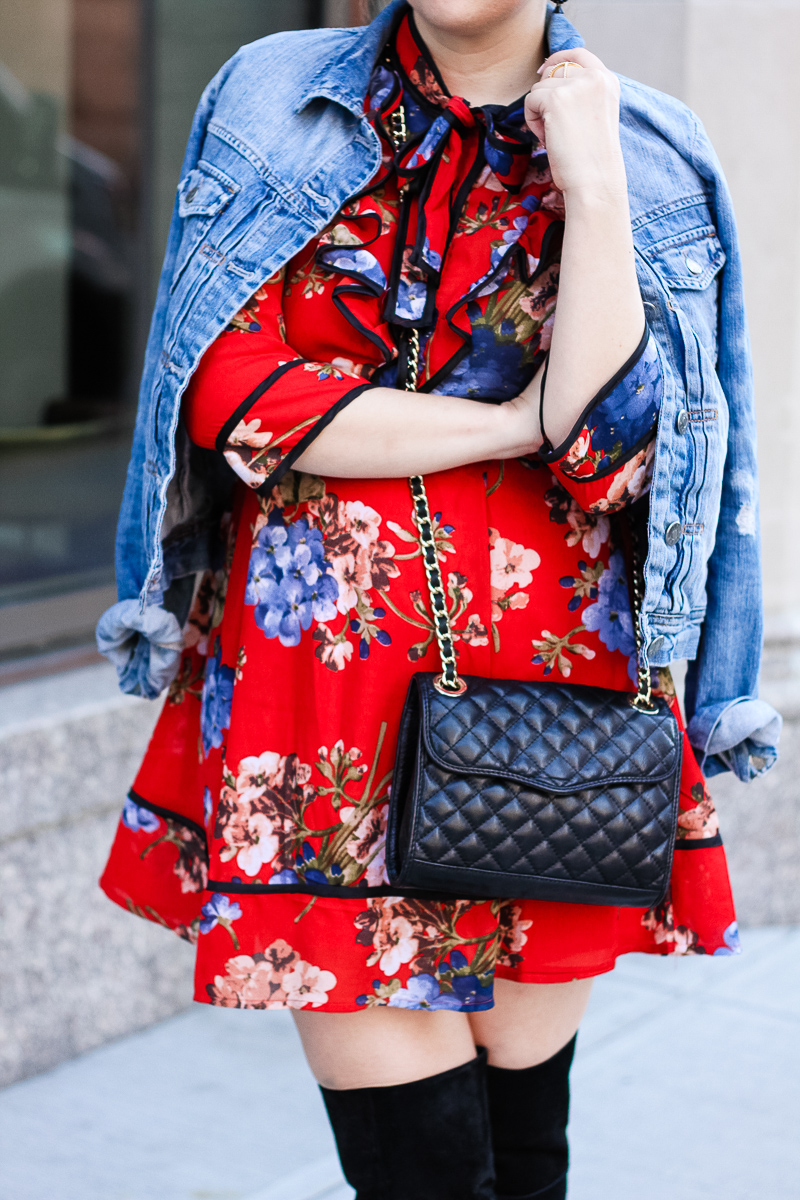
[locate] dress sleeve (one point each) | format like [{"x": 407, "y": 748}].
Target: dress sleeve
[
  {"x": 606, "y": 460},
  {"x": 256, "y": 400}
]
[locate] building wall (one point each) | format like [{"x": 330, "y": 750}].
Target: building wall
[{"x": 734, "y": 63}]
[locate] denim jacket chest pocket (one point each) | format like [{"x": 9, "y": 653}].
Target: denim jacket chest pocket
[
  {"x": 680, "y": 260},
  {"x": 203, "y": 195}
]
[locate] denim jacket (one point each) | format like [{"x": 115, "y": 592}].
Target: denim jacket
[{"x": 278, "y": 144}]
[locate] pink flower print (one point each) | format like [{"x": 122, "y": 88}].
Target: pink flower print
[
  {"x": 363, "y": 521},
  {"x": 699, "y": 822},
  {"x": 368, "y": 841},
  {"x": 553, "y": 201},
  {"x": 248, "y": 433},
  {"x": 631, "y": 482},
  {"x": 579, "y": 449},
  {"x": 256, "y": 772},
  {"x": 278, "y": 978},
  {"x": 334, "y": 652},
  {"x": 393, "y": 940},
  {"x": 546, "y": 332},
  {"x": 307, "y": 984},
  {"x": 591, "y": 530},
  {"x": 475, "y": 633},
  {"x": 262, "y": 845},
  {"x": 518, "y": 938},
  {"x": 352, "y": 573},
  {"x": 248, "y": 982},
  {"x": 489, "y": 180},
  {"x": 511, "y": 563}
]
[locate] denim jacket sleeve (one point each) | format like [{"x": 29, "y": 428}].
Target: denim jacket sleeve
[
  {"x": 739, "y": 734},
  {"x": 143, "y": 641}
]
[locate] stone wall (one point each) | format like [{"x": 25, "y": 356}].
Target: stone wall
[{"x": 75, "y": 970}]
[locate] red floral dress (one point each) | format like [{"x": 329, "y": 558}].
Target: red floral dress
[{"x": 256, "y": 824}]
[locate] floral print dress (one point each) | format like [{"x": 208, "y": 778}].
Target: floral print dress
[{"x": 256, "y": 824}]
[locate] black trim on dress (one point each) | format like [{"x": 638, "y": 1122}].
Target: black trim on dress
[
  {"x": 243, "y": 409},
  {"x": 553, "y": 454},
  {"x": 288, "y": 461}
]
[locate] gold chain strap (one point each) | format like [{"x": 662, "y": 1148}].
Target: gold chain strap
[
  {"x": 450, "y": 682},
  {"x": 643, "y": 700}
]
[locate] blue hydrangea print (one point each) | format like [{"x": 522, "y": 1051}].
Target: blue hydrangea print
[
  {"x": 610, "y": 615},
  {"x": 215, "y": 705},
  {"x": 288, "y": 581}
]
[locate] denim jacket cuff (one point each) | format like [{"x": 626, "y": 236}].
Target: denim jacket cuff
[
  {"x": 740, "y": 736},
  {"x": 145, "y": 647}
]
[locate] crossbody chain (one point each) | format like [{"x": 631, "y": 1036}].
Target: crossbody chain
[{"x": 450, "y": 682}]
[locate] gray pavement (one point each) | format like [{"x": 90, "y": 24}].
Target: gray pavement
[{"x": 686, "y": 1085}]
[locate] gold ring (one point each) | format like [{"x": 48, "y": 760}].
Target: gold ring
[{"x": 552, "y": 73}]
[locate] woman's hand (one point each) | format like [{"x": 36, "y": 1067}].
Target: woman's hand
[{"x": 577, "y": 120}]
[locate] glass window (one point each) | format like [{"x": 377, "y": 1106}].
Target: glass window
[{"x": 96, "y": 99}]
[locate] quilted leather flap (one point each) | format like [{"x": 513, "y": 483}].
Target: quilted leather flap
[{"x": 550, "y": 736}]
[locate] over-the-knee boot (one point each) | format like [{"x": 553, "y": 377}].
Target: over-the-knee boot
[
  {"x": 529, "y": 1110},
  {"x": 426, "y": 1140}
]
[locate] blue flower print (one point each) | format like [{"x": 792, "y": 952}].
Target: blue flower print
[
  {"x": 286, "y": 876},
  {"x": 499, "y": 160},
  {"x": 630, "y": 412},
  {"x": 138, "y": 818},
  {"x": 732, "y": 942},
  {"x": 208, "y": 805},
  {"x": 411, "y": 297},
  {"x": 494, "y": 369},
  {"x": 218, "y": 909},
  {"x": 431, "y": 257},
  {"x": 289, "y": 582},
  {"x": 381, "y": 86},
  {"x": 423, "y": 991},
  {"x": 610, "y": 615},
  {"x": 473, "y": 996},
  {"x": 429, "y": 144},
  {"x": 356, "y": 262},
  {"x": 215, "y": 705}
]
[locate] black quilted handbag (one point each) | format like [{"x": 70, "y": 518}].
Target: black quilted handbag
[{"x": 544, "y": 791}]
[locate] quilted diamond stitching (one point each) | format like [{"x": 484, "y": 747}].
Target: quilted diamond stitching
[{"x": 554, "y": 733}]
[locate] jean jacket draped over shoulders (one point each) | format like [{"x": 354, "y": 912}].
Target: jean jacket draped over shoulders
[{"x": 278, "y": 144}]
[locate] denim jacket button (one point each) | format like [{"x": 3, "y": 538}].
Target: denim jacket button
[
  {"x": 190, "y": 195},
  {"x": 656, "y": 646},
  {"x": 682, "y": 421},
  {"x": 673, "y": 533},
  {"x": 693, "y": 266}
]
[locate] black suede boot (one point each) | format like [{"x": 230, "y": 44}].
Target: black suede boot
[
  {"x": 426, "y": 1140},
  {"x": 529, "y": 1110}
]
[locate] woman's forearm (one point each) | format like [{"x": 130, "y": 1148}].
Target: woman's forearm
[
  {"x": 385, "y": 433},
  {"x": 600, "y": 316}
]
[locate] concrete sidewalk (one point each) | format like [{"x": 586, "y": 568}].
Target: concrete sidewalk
[{"x": 686, "y": 1085}]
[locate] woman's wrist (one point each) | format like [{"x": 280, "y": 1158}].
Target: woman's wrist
[
  {"x": 607, "y": 189},
  {"x": 518, "y": 425}
]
